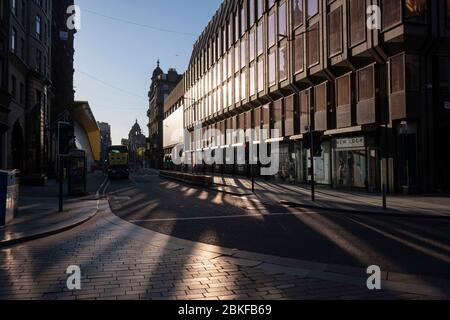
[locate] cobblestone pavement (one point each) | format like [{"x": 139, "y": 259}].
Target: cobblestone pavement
[{"x": 118, "y": 261}]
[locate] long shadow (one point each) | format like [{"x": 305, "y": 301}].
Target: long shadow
[{"x": 266, "y": 234}]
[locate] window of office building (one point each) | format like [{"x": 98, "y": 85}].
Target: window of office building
[
  {"x": 243, "y": 85},
  {"x": 237, "y": 61},
  {"x": 243, "y": 20},
  {"x": 282, "y": 62},
  {"x": 252, "y": 79},
  {"x": 272, "y": 68},
  {"x": 261, "y": 75},
  {"x": 416, "y": 10},
  {"x": 243, "y": 53},
  {"x": 391, "y": 13},
  {"x": 335, "y": 25},
  {"x": 297, "y": 12},
  {"x": 289, "y": 116},
  {"x": 412, "y": 66},
  {"x": 270, "y": 3},
  {"x": 251, "y": 45},
  {"x": 343, "y": 90},
  {"x": 313, "y": 8},
  {"x": 237, "y": 89},
  {"x": 397, "y": 73},
  {"x": 272, "y": 29},
  {"x": 259, "y": 8},
  {"x": 448, "y": 13},
  {"x": 282, "y": 19},
  {"x": 236, "y": 26},
  {"x": 357, "y": 21},
  {"x": 251, "y": 11},
  {"x": 259, "y": 39},
  {"x": 321, "y": 97},
  {"x": 313, "y": 46},
  {"x": 366, "y": 88},
  {"x": 299, "y": 53}
]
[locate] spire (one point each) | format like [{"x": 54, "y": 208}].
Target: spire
[{"x": 157, "y": 62}]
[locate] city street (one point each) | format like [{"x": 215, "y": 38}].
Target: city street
[
  {"x": 416, "y": 246},
  {"x": 122, "y": 260}
]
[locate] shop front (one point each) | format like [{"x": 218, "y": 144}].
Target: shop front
[{"x": 355, "y": 164}]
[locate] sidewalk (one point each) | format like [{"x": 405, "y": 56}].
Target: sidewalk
[
  {"x": 333, "y": 200},
  {"x": 38, "y": 212}
]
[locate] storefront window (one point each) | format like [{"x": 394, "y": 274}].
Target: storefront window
[
  {"x": 322, "y": 166},
  {"x": 350, "y": 163}
]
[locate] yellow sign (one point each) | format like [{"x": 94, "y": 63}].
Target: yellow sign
[{"x": 118, "y": 159}]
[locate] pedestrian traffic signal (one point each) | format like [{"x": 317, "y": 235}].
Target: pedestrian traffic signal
[
  {"x": 316, "y": 141},
  {"x": 66, "y": 138}
]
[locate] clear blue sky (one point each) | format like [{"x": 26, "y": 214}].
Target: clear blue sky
[{"x": 111, "y": 54}]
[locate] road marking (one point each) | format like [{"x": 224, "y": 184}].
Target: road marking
[{"x": 251, "y": 215}]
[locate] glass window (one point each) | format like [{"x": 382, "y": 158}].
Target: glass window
[
  {"x": 237, "y": 61},
  {"x": 313, "y": 8},
  {"x": 259, "y": 8},
  {"x": 282, "y": 19},
  {"x": 413, "y": 72},
  {"x": 397, "y": 74},
  {"x": 237, "y": 89},
  {"x": 243, "y": 85},
  {"x": 343, "y": 91},
  {"x": 243, "y": 53},
  {"x": 416, "y": 10},
  {"x": 243, "y": 20},
  {"x": 321, "y": 97},
  {"x": 251, "y": 45},
  {"x": 252, "y": 79},
  {"x": 313, "y": 45},
  {"x": 261, "y": 75},
  {"x": 299, "y": 55},
  {"x": 259, "y": 39},
  {"x": 391, "y": 13},
  {"x": 297, "y": 12},
  {"x": 366, "y": 84},
  {"x": 357, "y": 21},
  {"x": 270, "y": 3},
  {"x": 335, "y": 25},
  {"x": 282, "y": 63},
  {"x": 448, "y": 13},
  {"x": 251, "y": 11},
  {"x": 271, "y": 30},
  {"x": 272, "y": 68}
]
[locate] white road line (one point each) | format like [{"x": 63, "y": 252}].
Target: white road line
[{"x": 221, "y": 217}]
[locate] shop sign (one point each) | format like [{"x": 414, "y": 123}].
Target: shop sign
[{"x": 350, "y": 143}]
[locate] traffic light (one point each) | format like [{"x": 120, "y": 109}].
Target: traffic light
[
  {"x": 316, "y": 142},
  {"x": 66, "y": 137}
]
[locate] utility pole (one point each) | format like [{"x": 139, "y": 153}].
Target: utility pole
[{"x": 311, "y": 150}]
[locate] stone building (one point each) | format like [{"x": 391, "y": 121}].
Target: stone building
[
  {"x": 161, "y": 86},
  {"x": 379, "y": 97},
  {"x": 105, "y": 141},
  {"x": 136, "y": 144}
]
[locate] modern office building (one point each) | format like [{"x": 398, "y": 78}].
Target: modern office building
[
  {"x": 377, "y": 93},
  {"x": 160, "y": 88}
]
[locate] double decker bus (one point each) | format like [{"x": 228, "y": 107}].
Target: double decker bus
[{"x": 118, "y": 166}]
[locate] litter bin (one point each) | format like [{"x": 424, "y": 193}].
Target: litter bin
[
  {"x": 9, "y": 196},
  {"x": 77, "y": 172}
]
